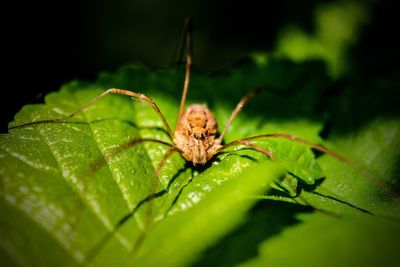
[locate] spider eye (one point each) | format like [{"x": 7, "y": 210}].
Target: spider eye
[{"x": 199, "y": 136}]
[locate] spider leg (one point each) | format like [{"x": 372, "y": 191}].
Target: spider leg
[
  {"x": 152, "y": 195},
  {"x": 122, "y": 147},
  {"x": 239, "y": 108},
  {"x": 188, "y": 32},
  {"x": 148, "y": 220},
  {"x": 134, "y": 95},
  {"x": 354, "y": 165},
  {"x": 296, "y": 139},
  {"x": 248, "y": 144}
]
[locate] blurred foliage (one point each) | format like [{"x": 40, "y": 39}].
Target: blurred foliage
[{"x": 337, "y": 28}]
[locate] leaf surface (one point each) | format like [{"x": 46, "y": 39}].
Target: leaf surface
[{"x": 84, "y": 193}]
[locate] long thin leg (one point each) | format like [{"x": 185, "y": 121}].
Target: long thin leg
[
  {"x": 188, "y": 30},
  {"x": 357, "y": 167},
  {"x": 138, "y": 96},
  {"x": 180, "y": 47},
  {"x": 152, "y": 195},
  {"x": 238, "y": 108},
  {"x": 115, "y": 151},
  {"x": 248, "y": 144},
  {"x": 95, "y": 250},
  {"x": 292, "y": 138},
  {"x": 136, "y": 141}
]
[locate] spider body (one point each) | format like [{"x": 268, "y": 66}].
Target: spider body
[{"x": 196, "y": 134}]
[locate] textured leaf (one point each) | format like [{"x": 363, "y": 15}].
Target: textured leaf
[
  {"x": 191, "y": 231},
  {"x": 322, "y": 240},
  {"x": 64, "y": 188}
]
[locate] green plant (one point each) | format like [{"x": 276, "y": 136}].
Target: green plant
[{"x": 68, "y": 199}]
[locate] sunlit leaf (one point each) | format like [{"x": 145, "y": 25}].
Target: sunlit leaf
[{"x": 76, "y": 188}]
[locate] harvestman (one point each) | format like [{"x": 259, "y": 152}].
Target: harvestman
[{"x": 196, "y": 135}]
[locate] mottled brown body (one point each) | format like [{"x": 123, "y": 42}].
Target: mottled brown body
[{"x": 196, "y": 134}]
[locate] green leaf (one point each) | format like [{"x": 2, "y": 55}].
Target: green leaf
[
  {"x": 78, "y": 189},
  {"x": 320, "y": 240},
  {"x": 191, "y": 231}
]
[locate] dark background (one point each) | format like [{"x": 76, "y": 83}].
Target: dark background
[{"x": 48, "y": 43}]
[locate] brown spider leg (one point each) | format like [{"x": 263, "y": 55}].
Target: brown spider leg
[
  {"x": 136, "y": 141},
  {"x": 248, "y": 144},
  {"x": 238, "y": 108},
  {"x": 137, "y": 96},
  {"x": 153, "y": 189},
  {"x": 180, "y": 47},
  {"x": 189, "y": 56},
  {"x": 298, "y": 140},
  {"x": 148, "y": 220},
  {"x": 357, "y": 167},
  {"x": 115, "y": 151}
]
